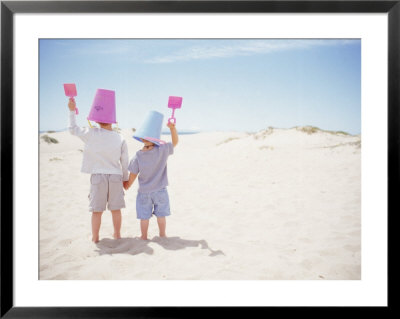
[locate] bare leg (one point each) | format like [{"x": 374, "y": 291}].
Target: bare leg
[
  {"x": 162, "y": 224},
  {"x": 96, "y": 222},
  {"x": 117, "y": 220},
  {"x": 144, "y": 226}
]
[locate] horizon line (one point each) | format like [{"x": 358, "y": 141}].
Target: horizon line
[{"x": 191, "y": 131}]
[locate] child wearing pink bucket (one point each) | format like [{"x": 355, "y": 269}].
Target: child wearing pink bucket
[
  {"x": 105, "y": 157},
  {"x": 150, "y": 163}
]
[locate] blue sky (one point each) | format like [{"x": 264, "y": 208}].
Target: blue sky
[{"x": 226, "y": 85}]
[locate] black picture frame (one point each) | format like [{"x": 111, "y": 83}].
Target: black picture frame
[{"x": 9, "y": 8}]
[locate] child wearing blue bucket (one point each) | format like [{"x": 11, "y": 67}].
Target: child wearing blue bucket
[
  {"x": 105, "y": 157},
  {"x": 150, "y": 163}
]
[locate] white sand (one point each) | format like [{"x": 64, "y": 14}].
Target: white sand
[{"x": 279, "y": 204}]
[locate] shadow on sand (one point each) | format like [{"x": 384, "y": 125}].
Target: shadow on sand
[
  {"x": 135, "y": 246},
  {"x": 176, "y": 243},
  {"x": 131, "y": 246}
]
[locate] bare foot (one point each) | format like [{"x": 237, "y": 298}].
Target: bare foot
[
  {"x": 95, "y": 239},
  {"x": 143, "y": 237},
  {"x": 117, "y": 236}
]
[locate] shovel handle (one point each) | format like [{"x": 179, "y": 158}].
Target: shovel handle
[
  {"x": 172, "y": 119},
  {"x": 76, "y": 109}
]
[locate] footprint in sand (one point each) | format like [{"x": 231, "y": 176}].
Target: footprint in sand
[
  {"x": 75, "y": 268},
  {"x": 46, "y": 241},
  {"x": 291, "y": 223},
  {"x": 353, "y": 248},
  {"x": 64, "y": 243},
  {"x": 44, "y": 267},
  {"x": 122, "y": 267},
  {"x": 47, "y": 254},
  {"x": 59, "y": 277},
  {"x": 355, "y": 233},
  {"x": 305, "y": 240},
  {"x": 308, "y": 264},
  {"x": 328, "y": 252},
  {"x": 64, "y": 259},
  {"x": 346, "y": 218}
]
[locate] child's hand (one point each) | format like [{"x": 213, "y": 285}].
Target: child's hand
[
  {"x": 171, "y": 125},
  {"x": 71, "y": 104},
  {"x": 130, "y": 181}
]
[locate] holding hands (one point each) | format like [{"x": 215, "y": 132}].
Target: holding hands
[
  {"x": 126, "y": 185},
  {"x": 129, "y": 182}
]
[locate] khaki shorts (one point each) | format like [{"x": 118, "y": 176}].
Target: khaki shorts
[{"x": 106, "y": 188}]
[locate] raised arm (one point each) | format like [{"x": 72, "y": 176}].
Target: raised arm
[
  {"x": 174, "y": 133},
  {"x": 73, "y": 128}
]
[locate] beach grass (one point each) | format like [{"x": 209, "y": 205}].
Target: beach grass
[{"x": 50, "y": 140}]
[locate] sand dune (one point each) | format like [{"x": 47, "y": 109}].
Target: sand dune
[{"x": 276, "y": 204}]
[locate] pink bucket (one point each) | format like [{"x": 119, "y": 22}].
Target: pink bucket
[{"x": 103, "y": 107}]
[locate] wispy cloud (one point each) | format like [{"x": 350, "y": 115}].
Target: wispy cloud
[
  {"x": 102, "y": 50},
  {"x": 95, "y": 47},
  {"x": 169, "y": 51},
  {"x": 226, "y": 49}
]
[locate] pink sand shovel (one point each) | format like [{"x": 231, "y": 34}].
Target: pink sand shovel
[
  {"x": 70, "y": 91},
  {"x": 174, "y": 102}
]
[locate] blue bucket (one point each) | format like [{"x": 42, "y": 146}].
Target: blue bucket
[{"x": 150, "y": 129}]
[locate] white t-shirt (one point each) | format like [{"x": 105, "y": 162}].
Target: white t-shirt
[{"x": 105, "y": 151}]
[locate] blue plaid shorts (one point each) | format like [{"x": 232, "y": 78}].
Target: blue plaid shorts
[{"x": 156, "y": 203}]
